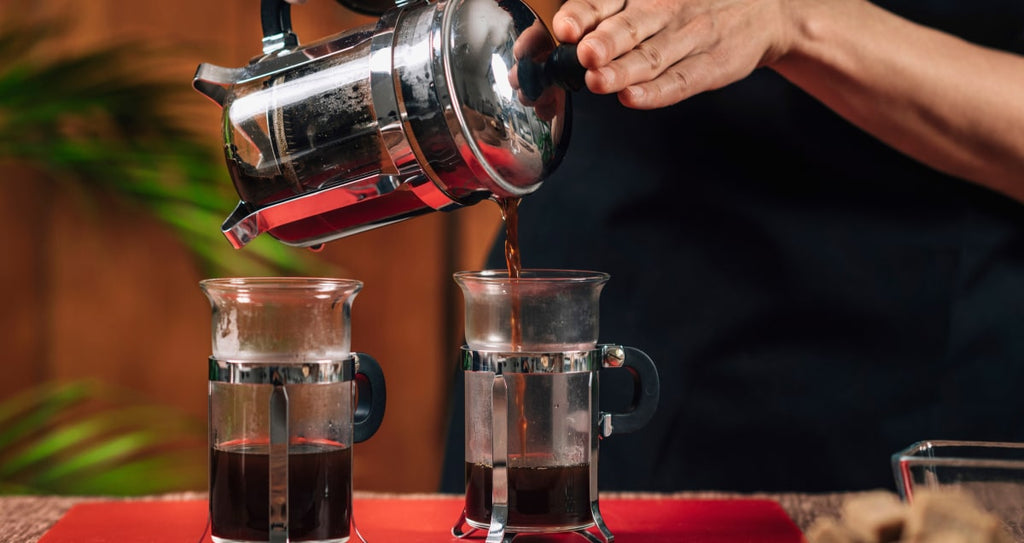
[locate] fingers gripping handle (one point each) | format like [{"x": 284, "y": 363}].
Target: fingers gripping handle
[
  {"x": 646, "y": 392},
  {"x": 369, "y": 412}
]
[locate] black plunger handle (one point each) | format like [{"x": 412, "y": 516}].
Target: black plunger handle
[
  {"x": 276, "y": 18},
  {"x": 372, "y": 398},
  {"x": 564, "y": 68},
  {"x": 561, "y": 68},
  {"x": 646, "y": 392}
]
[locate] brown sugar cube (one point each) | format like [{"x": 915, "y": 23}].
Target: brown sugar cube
[
  {"x": 951, "y": 517},
  {"x": 829, "y": 531},
  {"x": 876, "y": 517}
]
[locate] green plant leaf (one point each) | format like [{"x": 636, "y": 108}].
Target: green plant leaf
[
  {"x": 81, "y": 435},
  {"x": 66, "y": 437},
  {"x": 102, "y": 454},
  {"x": 141, "y": 477},
  {"x": 96, "y": 120},
  {"x": 33, "y": 409}
]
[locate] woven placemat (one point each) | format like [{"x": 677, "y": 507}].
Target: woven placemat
[{"x": 24, "y": 519}]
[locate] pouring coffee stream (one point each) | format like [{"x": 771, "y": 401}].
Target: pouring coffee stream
[{"x": 510, "y": 214}]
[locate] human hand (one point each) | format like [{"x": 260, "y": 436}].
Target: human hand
[{"x": 654, "y": 53}]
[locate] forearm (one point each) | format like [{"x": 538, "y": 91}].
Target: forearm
[{"x": 952, "y": 105}]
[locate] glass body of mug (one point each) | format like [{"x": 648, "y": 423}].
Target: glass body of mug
[
  {"x": 549, "y": 426},
  {"x": 531, "y": 397},
  {"x": 281, "y": 393},
  {"x": 251, "y": 473}
]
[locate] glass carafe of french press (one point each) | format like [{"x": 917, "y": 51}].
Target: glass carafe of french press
[
  {"x": 436, "y": 106},
  {"x": 283, "y": 410},
  {"x": 533, "y": 421}
]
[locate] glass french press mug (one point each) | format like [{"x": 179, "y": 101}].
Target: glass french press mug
[
  {"x": 283, "y": 409},
  {"x": 532, "y": 366}
]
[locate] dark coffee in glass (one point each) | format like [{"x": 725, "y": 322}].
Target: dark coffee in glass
[
  {"x": 544, "y": 497},
  {"x": 319, "y": 491}
]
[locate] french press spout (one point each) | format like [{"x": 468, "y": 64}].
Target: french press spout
[{"x": 436, "y": 106}]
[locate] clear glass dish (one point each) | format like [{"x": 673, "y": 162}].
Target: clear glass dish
[{"x": 991, "y": 472}]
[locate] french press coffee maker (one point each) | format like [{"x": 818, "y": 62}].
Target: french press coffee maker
[
  {"x": 532, "y": 371},
  {"x": 436, "y": 106}
]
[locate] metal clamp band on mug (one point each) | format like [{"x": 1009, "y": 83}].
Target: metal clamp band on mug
[
  {"x": 519, "y": 362},
  {"x": 646, "y": 388},
  {"x": 278, "y": 374},
  {"x": 369, "y": 411}
]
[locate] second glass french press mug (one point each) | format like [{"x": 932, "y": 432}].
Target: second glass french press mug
[{"x": 532, "y": 370}]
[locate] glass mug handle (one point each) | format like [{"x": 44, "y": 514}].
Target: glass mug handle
[
  {"x": 646, "y": 389},
  {"x": 369, "y": 411}
]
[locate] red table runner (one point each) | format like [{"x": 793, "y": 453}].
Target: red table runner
[{"x": 429, "y": 519}]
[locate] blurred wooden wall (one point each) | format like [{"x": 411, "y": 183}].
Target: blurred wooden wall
[{"x": 107, "y": 292}]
